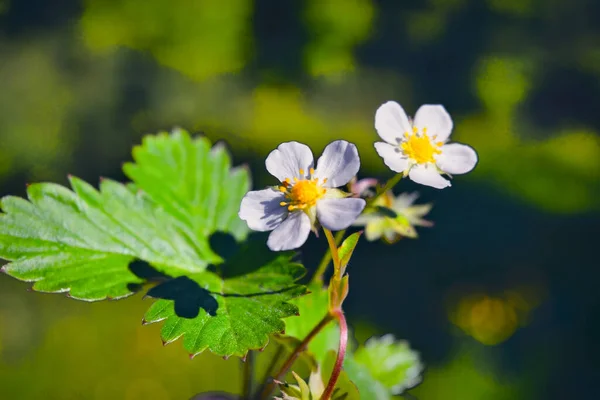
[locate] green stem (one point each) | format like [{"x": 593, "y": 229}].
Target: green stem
[
  {"x": 318, "y": 276},
  {"x": 270, "y": 368},
  {"x": 333, "y": 249},
  {"x": 389, "y": 185},
  {"x": 248, "y": 375},
  {"x": 322, "y": 268},
  {"x": 292, "y": 357}
]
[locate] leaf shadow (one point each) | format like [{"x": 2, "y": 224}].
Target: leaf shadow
[
  {"x": 241, "y": 259},
  {"x": 187, "y": 295}
]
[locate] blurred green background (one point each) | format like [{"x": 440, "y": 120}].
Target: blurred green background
[{"x": 499, "y": 297}]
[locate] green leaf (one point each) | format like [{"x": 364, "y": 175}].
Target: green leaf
[
  {"x": 347, "y": 248},
  {"x": 192, "y": 181},
  {"x": 247, "y": 309},
  {"x": 82, "y": 241},
  {"x": 300, "y": 391},
  {"x": 391, "y": 362},
  {"x": 368, "y": 387},
  {"x": 312, "y": 308}
]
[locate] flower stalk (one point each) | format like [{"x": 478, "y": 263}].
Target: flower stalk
[
  {"x": 322, "y": 268},
  {"x": 249, "y": 364},
  {"x": 389, "y": 185},
  {"x": 338, "y": 288},
  {"x": 333, "y": 250},
  {"x": 339, "y": 361}
]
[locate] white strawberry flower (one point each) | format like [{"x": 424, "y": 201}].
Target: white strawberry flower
[
  {"x": 392, "y": 218},
  {"x": 419, "y": 148},
  {"x": 305, "y": 195}
]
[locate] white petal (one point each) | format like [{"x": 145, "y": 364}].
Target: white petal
[
  {"x": 405, "y": 200},
  {"x": 338, "y": 214},
  {"x": 436, "y": 119},
  {"x": 375, "y": 229},
  {"x": 261, "y": 210},
  {"x": 457, "y": 158},
  {"x": 427, "y": 175},
  {"x": 288, "y": 159},
  {"x": 366, "y": 218},
  {"x": 391, "y": 122},
  {"x": 339, "y": 163},
  {"x": 291, "y": 234},
  {"x": 392, "y": 156}
]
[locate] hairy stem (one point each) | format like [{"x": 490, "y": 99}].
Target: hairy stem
[
  {"x": 333, "y": 249},
  {"x": 388, "y": 186},
  {"x": 322, "y": 268},
  {"x": 292, "y": 357},
  {"x": 249, "y": 375},
  {"x": 339, "y": 361}
]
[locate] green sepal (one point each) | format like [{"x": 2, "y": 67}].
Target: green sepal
[{"x": 346, "y": 249}]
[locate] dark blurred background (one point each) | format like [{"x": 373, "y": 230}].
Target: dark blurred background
[{"x": 500, "y": 297}]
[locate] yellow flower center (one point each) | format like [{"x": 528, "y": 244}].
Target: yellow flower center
[
  {"x": 302, "y": 193},
  {"x": 306, "y": 192},
  {"x": 420, "y": 147}
]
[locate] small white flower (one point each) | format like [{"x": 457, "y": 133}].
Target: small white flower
[
  {"x": 381, "y": 221},
  {"x": 418, "y": 148},
  {"x": 305, "y": 195}
]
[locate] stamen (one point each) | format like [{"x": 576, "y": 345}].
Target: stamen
[
  {"x": 406, "y": 135},
  {"x": 303, "y": 192},
  {"x": 425, "y": 130},
  {"x": 440, "y": 144},
  {"x": 415, "y": 129}
]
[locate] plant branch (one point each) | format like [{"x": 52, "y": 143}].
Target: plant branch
[
  {"x": 322, "y": 268},
  {"x": 333, "y": 249},
  {"x": 270, "y": 368},
  {"x": 292, "y": 357},
  {"x": 339, "y": 361},
  {"x": 389, "y": 185},
  {"x": 249, "y": 375}
]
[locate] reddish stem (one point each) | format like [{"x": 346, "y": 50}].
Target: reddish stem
[{"x": 339, "y": 361}]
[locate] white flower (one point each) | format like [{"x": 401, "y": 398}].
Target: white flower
[
  {"x": 418, "y": 148},
  {"x": 305, "y": 195},
  {"x": 394, "y": 217}
]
